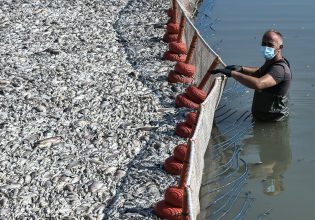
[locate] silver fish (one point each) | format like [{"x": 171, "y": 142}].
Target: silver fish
[
  {"x": 48, "y": 142},
  {"x": 4, "y": 83}
]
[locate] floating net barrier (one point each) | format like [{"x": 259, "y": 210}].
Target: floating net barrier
[
  {"x": 213, "y": 130},
  {"x": 222, "y": 190}
]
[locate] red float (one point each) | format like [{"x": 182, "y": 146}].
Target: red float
[
  {"x": 182, "y": 100},
  {"x": 178, "y": 47},
  {"x": 183, "y": 130},
  {"x": 170, "y": 12},
  {"x": 167, "y": 211},
  {"x": 191, "y": 118},
  {"x": 174, "y": 57},
  {"x": 174, "y": 196},
  {"x": 173, "y": 166},
  {"x": 172, "y": 28},
  {"x": 180, "y": 152},
  {"x": 174, "y": 77},
  {"x": 185, "y": 69},
  {"x": 195, "y": 94},
  {"x": 170, "y": 37}
]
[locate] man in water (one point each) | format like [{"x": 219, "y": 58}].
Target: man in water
[{"x": 271, "y": 81}]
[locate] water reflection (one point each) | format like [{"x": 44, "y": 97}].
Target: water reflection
[
  {"x": 272, "y": 142},
  {"x": 225, "y": 174}
]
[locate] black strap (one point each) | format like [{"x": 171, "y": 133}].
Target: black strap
[{"x": 284, "y": 60}]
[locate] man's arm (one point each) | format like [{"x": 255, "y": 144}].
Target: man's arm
[
  {"x": 249, "y": 70},
  {"x": 263, "y": 82}
]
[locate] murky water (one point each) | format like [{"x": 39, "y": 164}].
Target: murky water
[{"x": 283, "y": 184}]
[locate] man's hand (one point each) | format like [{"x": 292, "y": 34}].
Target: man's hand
[
  {"x": 235, "y": 68},
  {"x": 225, "y": 71}
]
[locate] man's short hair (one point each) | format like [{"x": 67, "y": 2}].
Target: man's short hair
[{"x": 277, "y": 33}]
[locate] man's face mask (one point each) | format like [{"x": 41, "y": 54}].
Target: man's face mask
[{"x": 268, "y": 52}]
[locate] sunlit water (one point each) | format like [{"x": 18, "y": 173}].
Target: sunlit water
[{"x": 283, "y": 185}]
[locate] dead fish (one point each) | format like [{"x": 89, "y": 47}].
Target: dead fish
[
  {"x": 4, "y": 83},
  {"x": 73, "y": 164},
  {"x": 27, "y": 179},
  {"x": 75, "y": 180},
  {"x": 145, "y": 128},
  {"x": 40, "y": 10},
  {"x": 96, "y": 161},
  {"x": 96, "y": 186},
  {"x": 48, "y": 142},
  {"x": 40, "y": 108},
  {"x": 12, "y": 186},
  {"x": 51, "y": 51}
]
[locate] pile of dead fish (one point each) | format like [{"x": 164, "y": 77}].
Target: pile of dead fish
[{"x": 86, "y": 114}]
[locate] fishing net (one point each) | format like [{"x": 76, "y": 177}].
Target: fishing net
[{"x": 212, "y": 195}]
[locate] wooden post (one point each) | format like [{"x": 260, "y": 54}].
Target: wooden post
[
  {"x": 207, "y": 76},
  {"x": 184, "y": 173},
  {"x": 181, "y": 28},
  {"x": 174, "y": 18},
  {"x": 191, "y": 48}
]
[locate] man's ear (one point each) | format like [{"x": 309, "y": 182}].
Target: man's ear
[{"x": 281, "y": 46}]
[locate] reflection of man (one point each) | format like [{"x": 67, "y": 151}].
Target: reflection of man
[
  {"x": 274, "y": 152},
  {"x": 271, "y": 81}
]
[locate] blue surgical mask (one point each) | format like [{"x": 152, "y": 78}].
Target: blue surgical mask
[{"x": 268, "y": 52}]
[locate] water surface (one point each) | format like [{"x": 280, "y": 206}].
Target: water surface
[{"x": 283, "y": 184}]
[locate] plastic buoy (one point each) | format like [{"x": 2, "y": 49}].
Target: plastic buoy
[
  {"x": 173, "y": 166},
  {"x": 174, "y": 77},
  {"x": 170, "y": 12},
  {"x": 185, "y": 69},
  {"x": 191, "y": 118},
  {"x": 172, "y": 28},
  {"x": 171, "y": 21},
  {"x": 195, "y": 94},
  {"x": 180, "y": 152},
  {"x": 170, "y": 37},
  {"x": 174, "y": 57},
  {"x": 178, "y": 47},
  {"x": 182, "y": 100},
  {"x": 167, "y": 211},
  {"x": 183, "y": 130},
  {"x": 174, "y": 196}
]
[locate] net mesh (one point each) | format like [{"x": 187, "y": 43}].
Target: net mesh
[
  {"x": 213, "y": 192},
  {"x": 203, "y": 55},
  {"x": 202, "y": 59},
  {"x": 199, "y": 143}
]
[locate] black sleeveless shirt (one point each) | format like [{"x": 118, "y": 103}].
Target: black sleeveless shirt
[{"x": 271, "y": 104}]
